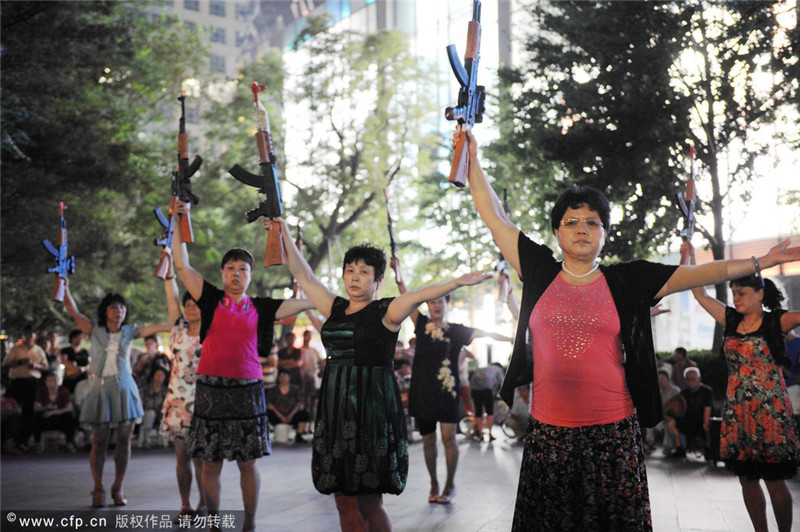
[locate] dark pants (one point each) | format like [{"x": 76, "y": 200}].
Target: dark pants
[
  {"x": 24, "y": 392},
  {"x": 65, "y": 423},
  {"x": 301, "y": 416}
]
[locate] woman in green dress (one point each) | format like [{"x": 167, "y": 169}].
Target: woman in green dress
[{"x": 360, "y": 448}]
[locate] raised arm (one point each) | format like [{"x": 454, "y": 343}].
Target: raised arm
[
  {"x": 318, "y": 293},
  {"x": 314, "y": 319},
  {"x": 82, "y": 322},
  {"x": 190, "y": 277},
  {"x": 480, "y": 333},
  {"x": 687, "y": 277},
  {"x": 394, "y": 262},
  {"x": 171, "y": 290},
  {"x": 504, "y": 231},
  {"x": 405, "y": 304},
  {"x": 292, "y": 307},
  {"x": 506, "y": 294},
  {"x": 147, "y": 330}
]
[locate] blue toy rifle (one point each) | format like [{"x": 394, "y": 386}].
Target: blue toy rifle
[
  {"x": 471, "y": 96},
  {"x": 266, "y": 181},
  {"x": 64, "y": 265},
  {"x": 168, "y": 224}
]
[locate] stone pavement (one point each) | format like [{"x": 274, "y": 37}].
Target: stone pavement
[{"x": 686, "y": 496}]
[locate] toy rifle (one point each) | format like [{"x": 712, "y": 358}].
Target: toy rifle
[
  {"x": 390, "y": 225},
  {"x": 168, "y": 223},
  {"x": 686, "y": 205},
  {"x": 181, "y": 184},
  {"x": 471, "y": 96},
  {"x": 64, "y": 265},
  {"x": 502, "y": 266},
  {"x": 266, "y": 182}
]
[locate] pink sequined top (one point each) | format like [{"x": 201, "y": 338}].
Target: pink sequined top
[
  {"x": 230, "y": 348},
  {"x": 579, "y": 378}
]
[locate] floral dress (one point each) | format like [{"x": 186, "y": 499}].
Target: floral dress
[
  {"x": 176, "y": 414},
  {"x": 434, "y": 376},
  {"x": 757, "y": 436},
  {"x": 360, "y": 442}
]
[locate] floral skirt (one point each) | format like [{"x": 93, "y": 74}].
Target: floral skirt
[
  {"x": 583, "y": 478},
  {"x": 360, "y": 441},
  {"x": 229, "y": 420}
]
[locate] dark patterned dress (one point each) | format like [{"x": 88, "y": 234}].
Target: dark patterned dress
[
  {"x": 757, "y": 436},
  {"x": 434, "y": 378},
  {"x": 360, "y": 441}
]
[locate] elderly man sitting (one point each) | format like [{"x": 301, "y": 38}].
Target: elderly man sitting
[{"x": 693, "y": 423}]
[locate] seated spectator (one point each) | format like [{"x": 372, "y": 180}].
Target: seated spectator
[
  {"x": 148, "y": 362},
  {"x": 75, "y": 361},
  {"x": 519, "y": 415},
  {"x": 290, "y": 358},
  {"x": 668, "y": 392},
  {"x": 53, "y": 411},
  {"x": 693, "y": 423},
  {"x": 403, "y": 375},
  {"x": 10, "y": 422},
  {"x": 269, "y": 368},
  {"x": 152, "y": 400},
  {"x": 682, "y": 361},
  {"x": 284, "y": 405}
]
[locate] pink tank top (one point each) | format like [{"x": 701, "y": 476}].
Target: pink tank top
[
  {"x": 230, "y": 348},
  {"x": 578, "y": 376}
]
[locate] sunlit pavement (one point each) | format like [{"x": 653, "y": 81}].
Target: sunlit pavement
[{"x": 685, "y": 495}]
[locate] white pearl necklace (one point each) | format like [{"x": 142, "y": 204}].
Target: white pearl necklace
[{"x": 587, "y": 274}]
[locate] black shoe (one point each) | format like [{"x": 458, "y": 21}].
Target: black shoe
[{"x": 299, "y": 439}]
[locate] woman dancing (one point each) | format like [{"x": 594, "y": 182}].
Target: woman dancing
[
  {"x": 176, "y": 414},
  {"x": 583, "y": 462},
  {"x": 112, "y": 401},
  {"x": 757, "y": 439},
  {"x": 360, "y": 447}
]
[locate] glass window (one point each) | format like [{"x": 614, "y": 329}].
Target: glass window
[
  {"x": 217, "y": 63},
  {"x": 218, "y": 8},
  {"x": 191, "y": 26},
  {"x": 218, "y": 35},
  {"x": 191, "y": 5}
]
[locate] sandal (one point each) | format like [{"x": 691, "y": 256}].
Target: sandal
[
  {"x": 98, "y": 498},
  {"x": 447, "y": 496},
  {"x": 433, "y": 496},
  {"x": 119, "y": 498},
  {"x": 184, "y": 514}
]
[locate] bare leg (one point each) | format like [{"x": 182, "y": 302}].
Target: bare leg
[
  {"x": 349, "y": 517},
  {"x": 250, "y": 482},
  {"x": 430, "y": 452},
  {"x": 450, "y": 455},
  {"x": 477, "y": 429},
  {"x": 122, "y": 455},
  {"x": 183, "y": 471},
  {"x": 672, "y": 429},
  {"x": 755, "y": 503},
  {"x": 211, "y": 485},
  {"x": 781, "y": 503},
  {"x": 490, "y": 424},
  {"x": 373, "y": 513},
  {"x": 198, "y": 475},
  {"x": 97, "y": 456}
]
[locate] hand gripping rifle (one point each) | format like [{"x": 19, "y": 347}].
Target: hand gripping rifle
[
  {"x": 471, "y": 96},
  {"x": 64, "y": 265},
  {"x": 297, "y": 292},
  {"x": 181, "y": 184},
  {"x": 266, "y": 182},
  {"x": 390, "y": 225},
  {"x": 686, "y": 205},
  {"x": 168, "y": 224}
]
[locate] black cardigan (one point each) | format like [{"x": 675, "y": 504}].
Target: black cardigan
[{"x": 633, "y": 286}]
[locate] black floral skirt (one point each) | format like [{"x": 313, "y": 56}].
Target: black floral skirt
[
  {"x": 583, "y": 479},
  {"x": 229, "y": 420}
]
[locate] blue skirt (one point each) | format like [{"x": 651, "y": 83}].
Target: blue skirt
[{"x": 110, "y": 402}]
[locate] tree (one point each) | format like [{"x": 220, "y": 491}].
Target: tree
[
  {"x": 613, "y": 93},
  {"x": 80, "y": 82}
]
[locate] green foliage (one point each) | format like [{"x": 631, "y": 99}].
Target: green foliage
[
  {"x": 81, "y": 82},
  {"x": 613, "y": 92}
]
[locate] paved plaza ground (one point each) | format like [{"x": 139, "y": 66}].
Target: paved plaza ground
[{"x": 685, "y": 496}]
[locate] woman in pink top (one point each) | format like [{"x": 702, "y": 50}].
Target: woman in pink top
[
  {"x": 230, "y": 414},
  {"x": 593, "y": 365}
]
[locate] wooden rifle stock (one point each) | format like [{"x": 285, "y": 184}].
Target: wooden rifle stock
[{"x": 459, "y": 170}]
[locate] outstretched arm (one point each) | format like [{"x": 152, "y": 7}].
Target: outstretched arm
[
  {"x": 320, "y": 296},
  {"x": 489, "y": 206},
  {"x": 404, "y": 305},
  {"x": 292, "y": 307},
  {"x": 82, "y": 322},
  {"x": 190, "y": 277},
  {"x": 711, "y": 305},
  {"x": 687, "y": 277},
  {"x": 479, "y": 333},
  {"x": 394, "y": 262}
]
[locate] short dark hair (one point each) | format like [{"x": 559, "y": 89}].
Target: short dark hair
[
  {"x": 152, "y": 337},
  {"x": 186, "y": 297},
  {"x": 772, "y": 295},
  {"x": 74, "y": 333},
  {"x": 237, "y": 254},
  {"x": 664, "y": 373},
  {"x": 110, "y": 299},
  {"x": 682, "y": 350},
  {"x": 574, "y": 197},
  {"x": 370, "y": 254},
  {"x": 282, "y": 371}
]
